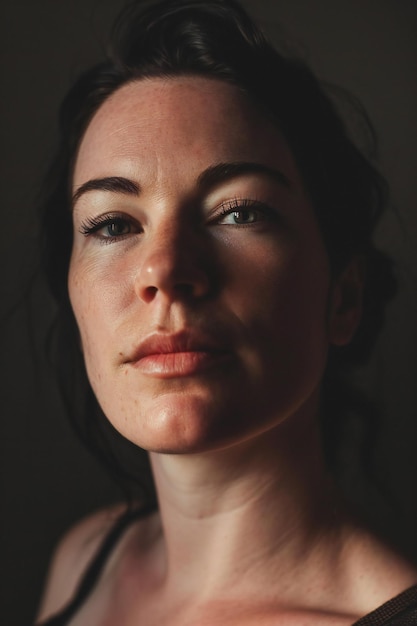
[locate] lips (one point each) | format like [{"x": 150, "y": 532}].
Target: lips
[{"x": 178, "y": 355}]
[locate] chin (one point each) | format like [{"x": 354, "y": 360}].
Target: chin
[
  {"x": 172, "y": 423},
  {"x": 194, "y": 415},
  {"x": 186, "y": 424}
]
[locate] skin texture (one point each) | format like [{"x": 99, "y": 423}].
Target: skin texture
[
  {"x": 231, "y": 277},
  {"x": 260, "y": 291}
]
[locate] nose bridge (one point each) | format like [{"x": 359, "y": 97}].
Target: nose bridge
[{"x": 172, "y": 262}]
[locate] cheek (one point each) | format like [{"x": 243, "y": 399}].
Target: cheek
[
  {"x": 281, "y": 295},
  {"x": 99, "y": 287},
  {"x": 95, "y": 307},
  {"x": 288, "y": 282}
]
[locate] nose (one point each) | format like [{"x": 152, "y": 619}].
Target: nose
[{"x": 174, "y": 264}]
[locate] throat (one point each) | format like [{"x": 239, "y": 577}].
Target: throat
[{"x": 243, "y": 525}]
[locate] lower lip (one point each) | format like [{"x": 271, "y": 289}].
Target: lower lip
[{"x": 179, "y": 364}]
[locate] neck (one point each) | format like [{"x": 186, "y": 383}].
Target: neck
[{"x": 266, "y": 501}]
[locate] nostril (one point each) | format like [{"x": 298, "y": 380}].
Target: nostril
[
  {"x": 177, "y": 290},
  {"x": 149, "y": 293},
  {"x": 174, "y": 275}
]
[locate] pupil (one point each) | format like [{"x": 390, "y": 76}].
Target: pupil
[
  {"x": 116, "y": 228},
  {"x": 242, "y": 216}
]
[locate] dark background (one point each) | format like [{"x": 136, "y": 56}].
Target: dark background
[{"x": 47, "y": 480}]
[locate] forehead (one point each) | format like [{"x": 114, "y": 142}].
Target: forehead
[{"x": 172, "y": 124}]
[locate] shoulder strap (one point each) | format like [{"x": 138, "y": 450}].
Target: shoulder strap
[
  {"x": 96, "y": 566},
  {"x": 399, "y": 611}
]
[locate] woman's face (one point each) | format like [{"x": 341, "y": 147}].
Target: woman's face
[{"x": 198, "y": 275}]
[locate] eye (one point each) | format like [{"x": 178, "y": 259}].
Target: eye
[
  {"x": 243, "y": 216},
  {"x": 109, "y": 227},
  {"x": 243, "y": 213},
  {"x": 116, "y": 227}
]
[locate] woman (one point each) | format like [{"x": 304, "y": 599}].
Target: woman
[{"x": 217, "y": 242}]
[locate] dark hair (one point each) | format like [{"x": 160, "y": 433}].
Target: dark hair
[{"x": 217, "y": 39}]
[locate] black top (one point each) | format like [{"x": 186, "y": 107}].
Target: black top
[
  {"x": 399, "y": 611},
  {"x": 95, "y": 568}
]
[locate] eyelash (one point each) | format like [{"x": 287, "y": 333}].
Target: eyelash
[
  {"x": 93, "y": 225},
  {"x": 239, "y": 205}
]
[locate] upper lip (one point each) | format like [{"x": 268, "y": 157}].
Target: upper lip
[{"x": 184, "y": 341}]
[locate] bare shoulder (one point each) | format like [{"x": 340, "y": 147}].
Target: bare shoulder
[
  {"x": 73, "y": 555},
  {"x": 384, "y": 572}
]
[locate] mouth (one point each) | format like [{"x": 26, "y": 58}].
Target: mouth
[{"x": 178, "y": 355}]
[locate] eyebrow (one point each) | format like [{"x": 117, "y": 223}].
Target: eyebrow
[
  {"x": 114, "y": 184},
  {"x": 222, "y": 172},
  {"x": 213, "y": 175}
]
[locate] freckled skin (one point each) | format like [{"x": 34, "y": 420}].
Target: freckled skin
[{"x": 264, "y": 289}]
